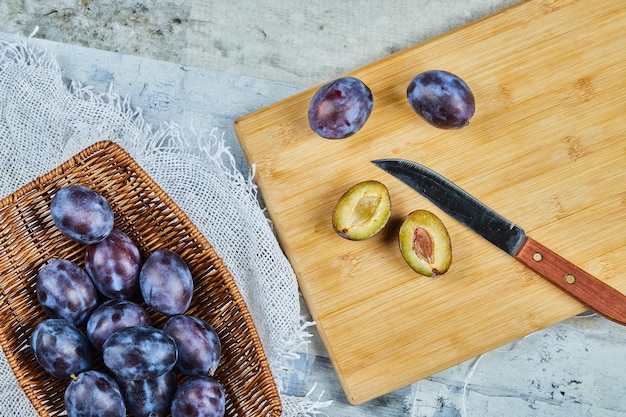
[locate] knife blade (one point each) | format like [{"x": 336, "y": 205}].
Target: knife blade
[{"x": 508, "y": 236}]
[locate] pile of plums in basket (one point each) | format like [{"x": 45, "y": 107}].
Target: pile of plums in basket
[{"x": 90, "y": 313}]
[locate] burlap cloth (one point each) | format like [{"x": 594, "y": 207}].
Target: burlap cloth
[{"x": 44, "y": 120}]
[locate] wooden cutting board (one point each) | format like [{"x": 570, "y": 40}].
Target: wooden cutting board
[{"x": 546, "y": 148}]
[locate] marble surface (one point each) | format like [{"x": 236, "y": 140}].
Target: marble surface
[
  {"x": 205, "y": 63},
  {"x": 297, "y": 42}
]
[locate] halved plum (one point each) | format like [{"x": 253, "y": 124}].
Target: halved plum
[
  {"x": 425, "y": 243},
  {"x": 362, "y": 211}
]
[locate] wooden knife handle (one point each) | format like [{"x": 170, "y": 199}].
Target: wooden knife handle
[{"x": 589, "y": 290}]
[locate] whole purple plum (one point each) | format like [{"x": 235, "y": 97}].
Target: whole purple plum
[
  {"x": 64, "y": 290},
  {"x": 60, "y": 348},
  {"x": 114, "y": 315},
  {"x": 113, "y": 265},
  {"x": 139, "y": 352},
  {"x": 442, "y": 99},
  {"x": 340, "y": 108},
  {"x": 200, "y": 397},
  {"x": 199, "y": 347},
  {"x": 94, "y": 394},
  {"x": 166, "y": 283},
  {"x": 150, "y": 397},
  {"x": 81, "y": 214}
]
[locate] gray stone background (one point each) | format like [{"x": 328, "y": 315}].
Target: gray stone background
[{"x": 297, "y": 42}]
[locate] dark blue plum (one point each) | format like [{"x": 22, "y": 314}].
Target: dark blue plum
[
  {"x": 166, "y": 283},
  {"x": 60, "y": 348},
  {"x": 139, "y": 352},
  {"x": 199, "y": 347},
  {"x": 149, "y": 397},
  {"x": 114, "y": 315},
  {"x": 199, "y": 397},
  {"x": 65, "y": 291},
  {"x": 81, "y": 214},
  {"x": 340, "y": 108},
  {"x": 442, "y": 99},
  {"x": 94, "y": 394},
  {"x": 113, "y": 265}
]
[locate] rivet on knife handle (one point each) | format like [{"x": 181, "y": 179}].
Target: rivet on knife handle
[{"x": 583, "y": 286}]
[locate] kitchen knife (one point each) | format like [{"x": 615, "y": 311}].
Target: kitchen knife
[{"x": 509, "y": 237}]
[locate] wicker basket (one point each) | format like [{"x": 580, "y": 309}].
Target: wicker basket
[{"x": 28, "y": 239}]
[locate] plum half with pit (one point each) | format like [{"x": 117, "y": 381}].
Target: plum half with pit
[
  {"x": 340, "y": 108},
  {"x": 425, "y": 243},
  {"x": 362, "y": 211}
]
